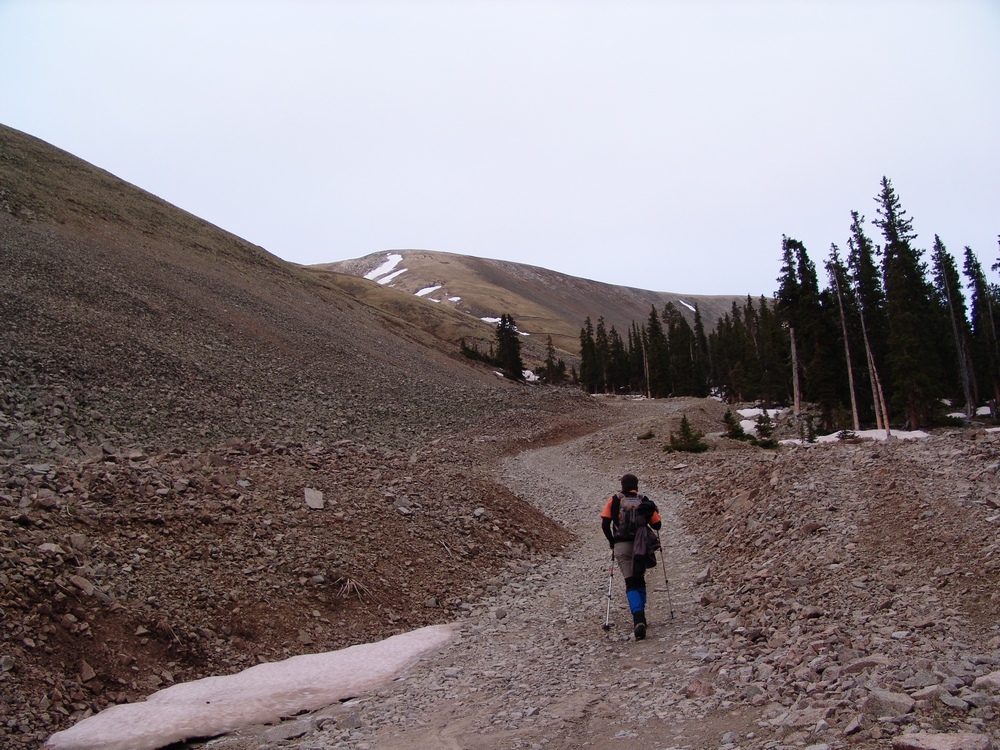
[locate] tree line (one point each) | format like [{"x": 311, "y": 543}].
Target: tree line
[{"x": 888, "y": 340}]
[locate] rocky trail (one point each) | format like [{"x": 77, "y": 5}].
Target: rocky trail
[
  {"x": 532, "y": 666},
  {"x": 828, "y": 597},
  {"x": 824, "y": 597}
]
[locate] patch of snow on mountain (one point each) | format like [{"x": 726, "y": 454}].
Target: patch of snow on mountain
[
  {"x": 261, "y": 694},
  {"x": 391, "y": 261},
  {"x": 394, "y": 275},
  {"x": 491, "y": 320},
  {"x": 427, "y": 290},
  {"x": 689, "y": 307},
  {"x": 454, "y": 299}
]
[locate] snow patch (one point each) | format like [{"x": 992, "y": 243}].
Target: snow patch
[
  {"x": 689, "y": 307},
  {"x": 261, "y": 694},
  {"x": 393, "y": 275},
  {"x": 867, "y": 435},
  {"x": 454, "y": 299},
  {"x": 494, "y": 321},
  {"x": 391, "y": 261},
  {"x": 427, "y": 290}
]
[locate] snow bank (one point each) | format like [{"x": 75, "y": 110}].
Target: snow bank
[
  {"x": 391, "y": 261},
  {"x": 749, "y": 423},
  {"x": 427, "y": 290},
  {"x": 867, "y": 435},
  {"x": 261, "y": 694},
  {"x": 392, "y": 276}
]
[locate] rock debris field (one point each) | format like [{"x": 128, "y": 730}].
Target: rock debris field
[{"x": 826, "y": 596}]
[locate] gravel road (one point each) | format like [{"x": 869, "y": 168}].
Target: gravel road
[{"x": 532, "y": 667}]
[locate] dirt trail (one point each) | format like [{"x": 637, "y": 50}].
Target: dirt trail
[{"x": 533, "y": 667}]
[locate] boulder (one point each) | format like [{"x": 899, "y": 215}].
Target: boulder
[
  {"x": 885, "y": 703},
  {"x": 942, "y": 741}
]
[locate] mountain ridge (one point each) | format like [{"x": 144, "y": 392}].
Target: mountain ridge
[{"x": 542, "y": 301}]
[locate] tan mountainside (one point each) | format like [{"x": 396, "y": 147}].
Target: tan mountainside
[
  {"x": 168, "y": 393},
  {"x": 170, "y": 326},
  {"x": 542, "y": 302}
]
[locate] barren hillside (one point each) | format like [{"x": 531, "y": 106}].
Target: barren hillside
[
  {"x": 543, "y": 302},
  {"x": 168, "y": 393}
]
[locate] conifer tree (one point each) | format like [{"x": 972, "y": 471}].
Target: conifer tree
[
  {"x": 602, "y": 351},
  {"x": 657, "y": 357},
  {"x": 798, "y": 302},
  {"x": 688, "y": 440},
  {"x": 551, "y": 367},
  {"x": 949, "y": 292},
  {"x": 589, "y": 367},
  {"x": 636, "y": 359},
  {"x": 701, "y": 364},
  {"x": 846, "y": 306},
  {"x": 509, "y": 348},
  {"x": 912, "y": 355},
  {"x": 870, "y": 294},
  {"x": 983, "y": 309},
  {"x": 680, "y": 338},
  {"x": 618, "y": 370}
]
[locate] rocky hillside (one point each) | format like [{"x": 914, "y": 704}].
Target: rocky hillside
[
  {"x": 543, "y": 302},
  {"x": 173, "y": 401}
]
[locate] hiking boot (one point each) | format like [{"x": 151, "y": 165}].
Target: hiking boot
[{"x": 640, "y": 631}]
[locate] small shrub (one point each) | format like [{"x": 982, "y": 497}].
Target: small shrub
[
  {"x": 734, "y": 430},
  {"x": 688, "y": 441}
]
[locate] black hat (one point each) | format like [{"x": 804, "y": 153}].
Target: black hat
[{"x": 630, "y": 482}]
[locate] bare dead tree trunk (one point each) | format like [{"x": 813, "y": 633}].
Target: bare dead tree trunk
[
  {"x": 960, "y": 351},
  {"x": 645, "y": 367},
  {"x": 796, "y": 394},
  {"x": 878, "y": 397},
  {"x": 847, "y": 353}
]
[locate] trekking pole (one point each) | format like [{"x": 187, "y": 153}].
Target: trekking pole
[
  {"x": 666, "y": 583},
  {"x": 611, "y": 575}
]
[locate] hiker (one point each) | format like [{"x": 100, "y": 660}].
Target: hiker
[{"x": 626, "y": 515}]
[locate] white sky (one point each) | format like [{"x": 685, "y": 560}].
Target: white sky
[{"x": 661, "y": 145}]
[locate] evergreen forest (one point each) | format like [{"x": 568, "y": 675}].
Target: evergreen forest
[{"x": 895, "y": 336}]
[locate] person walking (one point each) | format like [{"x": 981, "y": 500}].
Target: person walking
[{"x": 626, "y": 514}]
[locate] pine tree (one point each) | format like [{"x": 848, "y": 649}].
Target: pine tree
[
  {"x": 688, "y": 441},
  {"x": 870, "y": 294},
  {"x": 589, "y": 367},
  {"x": 551, "y": 367},
  {"x": 636, "y": 359},
  {"x": 701, "y": 363},
  {"x": 846, "y": 306},
  {"x": 509, "y": 348},
  {"x": 983, "y": 308},
  {"x": 680, "y": 338},
  {"x": 799, "y": 304},
  {"x": 657, "y": 357},
  {"x": 949, "y": 292},
  {"x": 912, "y": 355},
  {"x": 734, "y": 430},
  {"x": 618, "y": 370},
  {"x": 788, "y": 302}
]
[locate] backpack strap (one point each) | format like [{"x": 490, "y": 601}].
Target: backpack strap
[{"x": 616, "y": 506}]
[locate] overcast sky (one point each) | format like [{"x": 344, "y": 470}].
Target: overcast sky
[{"x": 661, "y": 145}]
